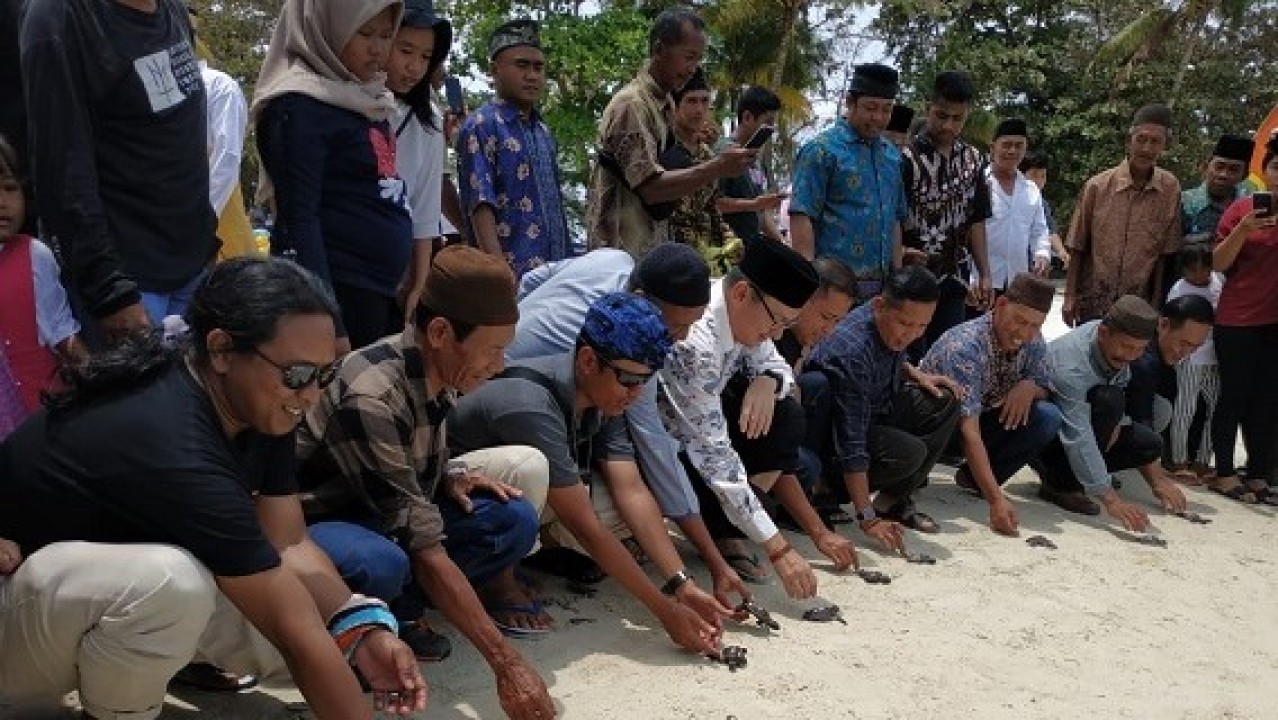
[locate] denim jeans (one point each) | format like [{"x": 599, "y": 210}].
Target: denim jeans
[
  {"x": 370, "y": 563},
  {"x": 161, "y": 305},
  {"x": 1011, "y": 450}
]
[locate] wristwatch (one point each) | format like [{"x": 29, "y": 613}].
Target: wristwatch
[
  {"x": 866, "y": 514},
  {"x": 674, "y": 583}
]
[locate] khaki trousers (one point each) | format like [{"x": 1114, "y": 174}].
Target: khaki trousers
[{"x": 116, "y": 622}]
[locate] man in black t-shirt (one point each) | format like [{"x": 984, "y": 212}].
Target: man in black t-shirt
[
  {"x": 158, "y": 514},
  {"x": 115, "y": 114},
  {"x": 745, "y": 207}
]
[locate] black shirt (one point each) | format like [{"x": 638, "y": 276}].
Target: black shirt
[
  {"x": 1150, "y": 376},
  {"x": 150, "y": 466},
  {"x": 116, "y": 122}
]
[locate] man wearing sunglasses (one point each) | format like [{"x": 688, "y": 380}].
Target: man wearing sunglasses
[
  {"x": 718, "y": 397},
  {"x": 569, "y": 406},
  {"x": 401, "y": 519},
  {"x": 553, "y": 302}
]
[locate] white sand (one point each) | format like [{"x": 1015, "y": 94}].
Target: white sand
[{"x": 1100, "y": 627}]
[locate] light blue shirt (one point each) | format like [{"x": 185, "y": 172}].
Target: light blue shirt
[
  {"x": 553, "y": 300},
  {"x": 1076, "y": 367}
]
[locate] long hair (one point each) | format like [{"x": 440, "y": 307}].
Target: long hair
[{"x": 245, "y": 297}]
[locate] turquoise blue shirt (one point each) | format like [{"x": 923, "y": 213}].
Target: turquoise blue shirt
[{"x": 851, "y": 190}]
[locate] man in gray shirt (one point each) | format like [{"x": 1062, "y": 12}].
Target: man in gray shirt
[
  {"x": 553, "y": 300},
  {"x": 1089, "y": 373},
  {"x": 568, "y": 406}
]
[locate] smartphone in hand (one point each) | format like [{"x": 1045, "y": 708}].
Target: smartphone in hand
[
  {"x": 1262, "y": 203},
  {"x": 760, "y": 137}
]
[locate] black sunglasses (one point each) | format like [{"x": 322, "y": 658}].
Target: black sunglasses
[
  {"x": 625, "y": 378},
  {"x": 299, "y": 376}
]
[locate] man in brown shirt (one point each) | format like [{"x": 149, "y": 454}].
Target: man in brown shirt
[
  {"x": 1126, "y": 222},
  {"x": 631, "y": 191}
]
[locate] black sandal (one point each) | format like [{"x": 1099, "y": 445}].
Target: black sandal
[
  {"x": 1239, "y": 493},
  {"x": 913, "y": 518}
]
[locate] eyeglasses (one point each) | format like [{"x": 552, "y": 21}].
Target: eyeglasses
[
  {"x": 777, "y": 323},
  {"x": 299, "y": 376},
  {"x": 625, "y": 378}
]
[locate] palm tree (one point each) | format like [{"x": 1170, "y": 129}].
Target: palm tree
[{"x": 1189, "y": 21}]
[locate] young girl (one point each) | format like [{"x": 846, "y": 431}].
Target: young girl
[
  {"x": 419, "y": 51},
  {"x": 37, "y": 330},
  {"x": 1197, "y": 377},
  {"x": 321, "y": 107}
]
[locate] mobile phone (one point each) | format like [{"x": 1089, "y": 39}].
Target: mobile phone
[
  {"x": 453, "y": 93},
  {"x": 760, "y": 137},
  {"x": 1263, "y": 203}
]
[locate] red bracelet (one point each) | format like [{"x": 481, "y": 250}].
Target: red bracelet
[{"x": 781, "y": 552}]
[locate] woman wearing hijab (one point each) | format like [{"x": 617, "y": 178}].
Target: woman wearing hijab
[{"x": 321, "y": 109}]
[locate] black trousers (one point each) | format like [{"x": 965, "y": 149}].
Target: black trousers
[
  {"x": 777, "y": 451},
  {"x": 1137, "y": 445},
  {"x": 1248, "y": 399},
  {"x": 367, "y": 316}
]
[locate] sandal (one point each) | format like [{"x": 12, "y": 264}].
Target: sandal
[
  {"x": 566, "y": 563},
  {"x": 1186, "y": 476},
  {"x": 1265, "y": 495},
  {"x": 501, "y": 615},
  {"x": 913, "y": 518},
  {"x": 1238, "y": 492},
  {"x": 746, "y": 563}
]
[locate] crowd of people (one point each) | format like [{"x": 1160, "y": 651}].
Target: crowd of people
[{"x": 218, "y": 465}]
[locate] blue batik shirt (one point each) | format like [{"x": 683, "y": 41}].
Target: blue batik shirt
[
  {"x": 508, "y": 162},
  {"x": 850, "y": 188}
]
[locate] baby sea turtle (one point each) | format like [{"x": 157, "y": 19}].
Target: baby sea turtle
[
  {"x": 762, "y": 617},
  {"x": 1152, "y": 540},
  {"x": 1194, "y": 517},
  {"x": 919, "y": 558},
  {"x": 825, "y": 613},
  {"x": 1039, "y": 541},
  {"x": 734, "y": 656},
  {"x": 873, "y": 577}
]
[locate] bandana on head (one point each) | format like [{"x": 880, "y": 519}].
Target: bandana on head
[{"x": 626, "y": 326}]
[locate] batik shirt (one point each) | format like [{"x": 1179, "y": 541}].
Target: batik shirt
[
  {"x": 696, "y": 220},
  {"x": 1118, "y": 235},
  {"x": 694, "y": 376},
  {"x": 1200, "y": 214},
  {"x": 947, "y": 195},
  {"x": 967, "y": 355},
  {"x": 850, "y": 188},
  {"x": 508, "y": 161}
]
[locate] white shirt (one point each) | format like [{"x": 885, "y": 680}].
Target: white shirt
[
  {"x": 1016, "y": 230},
  {"x": 1205, "y": 355},
  {"x": 695, "y": 374},
  {"x": 419, "y": 157},
  {"x": 227, "y": 124}
]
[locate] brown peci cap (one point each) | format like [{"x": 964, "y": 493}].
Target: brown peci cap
[
  {"x": 1032, "y": 292},
  {"x": 1132, "y": 317},
  {"x": 471, "y": 286}
]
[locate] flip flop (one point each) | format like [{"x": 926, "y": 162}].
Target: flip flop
[
  {"x": 1264, "y": 495},
  {"x": 533, "y": 607},
  {"x": 913, "y": 518},
  {"x": 566, "y": 563},
  {"x": 1188, "y": 477}
]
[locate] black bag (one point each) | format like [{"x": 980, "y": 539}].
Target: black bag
[{"x": 673, "y": 156}]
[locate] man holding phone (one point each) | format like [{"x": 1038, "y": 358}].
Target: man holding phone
[
  {"x": 508, "y": 168},
  {"x": 745, "y": 207}
]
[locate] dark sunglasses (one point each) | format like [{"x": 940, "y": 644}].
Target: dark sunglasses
[
  {"x": 625, "y": 378},
  {"x": 299, "y": 376}
]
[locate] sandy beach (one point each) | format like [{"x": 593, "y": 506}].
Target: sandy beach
[{"x": 1102, "y": 626}]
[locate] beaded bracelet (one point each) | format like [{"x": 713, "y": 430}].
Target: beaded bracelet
[{"x": 779, "y": 553}]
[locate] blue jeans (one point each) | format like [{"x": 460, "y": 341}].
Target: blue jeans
[
  {"x": 370, "y": 563},
  {"x": 160, "y": 305},
  {"x": 482, "y": 543},
  {"x": 1011, "y": 450},
  {"x": 814, "y": 390}
]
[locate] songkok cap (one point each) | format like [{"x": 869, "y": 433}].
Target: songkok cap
[
  {"x": 674, "y": 273},
  {"x": 516, "y": 33},
  {"x": 874, "y": 80},
  {"x": 1132, "y": 317},
  {"x": 779, "y": 271},
  {"x": 626, "y": 326},
  {"x": 1153, "y": 115},
  {"x": 1011, "y": 126},
  {"x": 471, "y": 286},
  {"x": 1032, "y": 292},
  {"x": 1234, "y": 147},
  {"x": 902, "y": 116},
  {"x": 421, "y": 14}
]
